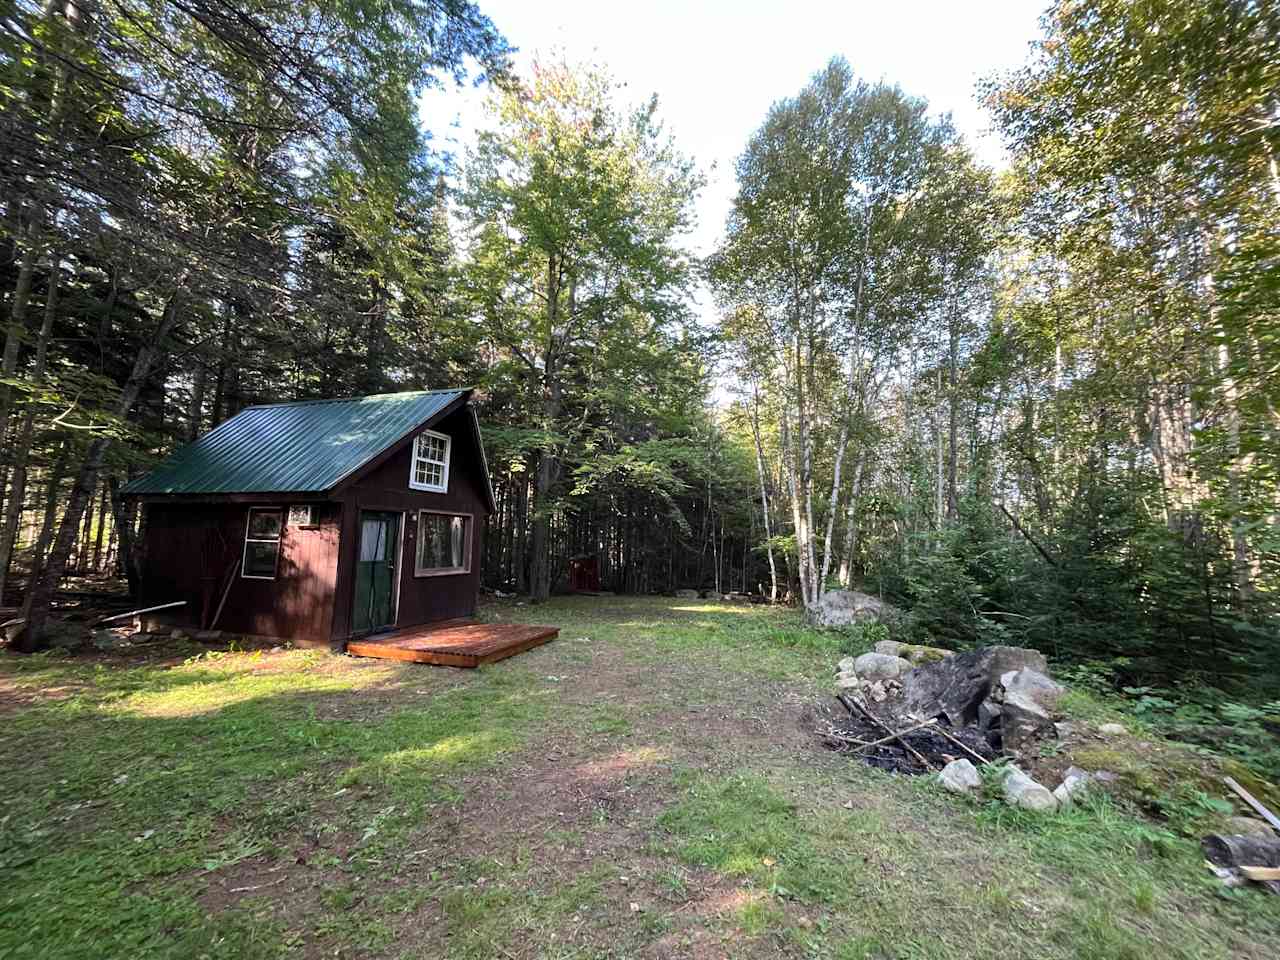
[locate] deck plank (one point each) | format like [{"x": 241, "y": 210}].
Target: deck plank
[{"x": 455, "y": 643}]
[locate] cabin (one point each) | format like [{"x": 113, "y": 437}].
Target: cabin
[{"x": 321, "y": 521}]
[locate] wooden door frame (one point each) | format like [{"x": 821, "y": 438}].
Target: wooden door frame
[{"x": 398, "y": 547}]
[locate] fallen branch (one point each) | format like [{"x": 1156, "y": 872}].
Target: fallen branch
[
  {"x": 894, "y": 736},
  {"x": 850, "y": 705},
  {"x": 1253, "y": 801},
  {"x": 977, "y": 756},
  {"x": 1030, "y": 539},
  {"x": 134, "y": 613},
  {"x": 1261, "y": 874},
  {"x": 260, "y": 886},
  {"x": 831, "y": 733}
]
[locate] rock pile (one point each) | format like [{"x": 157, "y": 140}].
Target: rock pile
[
  {"x": 986, "y": 700},
  {"x": 1004, "y": 691}
]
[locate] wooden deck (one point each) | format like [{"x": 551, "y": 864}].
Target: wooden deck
[{"x": 455, "y": 643}]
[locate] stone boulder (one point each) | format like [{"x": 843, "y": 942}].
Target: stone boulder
[
  {"x": 845, "y": 608},
  {"x": 956, "y": 685},
  {"x": 1075, "y": 784},
  {"x": 1247, "y": 826},
  {"x": 1034, "y": 686},
  {"x": 917, "y": 653},
  {"x": 960, "y": 776},
  {"x": 890, "y": 648},
  {"x": 879, "y": 666},
  {"x": 687, "y": 595},
  {"x": 989, "y": 715},
  {"x": 1022, "y": 791},
  {"x": 1023, "y": 722}
]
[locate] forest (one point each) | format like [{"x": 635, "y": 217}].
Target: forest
[{"x": 1035, "y": 405}]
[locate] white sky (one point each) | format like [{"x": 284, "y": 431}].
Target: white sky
[{"x": 717, "y": 65}]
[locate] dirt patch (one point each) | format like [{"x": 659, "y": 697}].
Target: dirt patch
[{"x": 581, "y": 803}]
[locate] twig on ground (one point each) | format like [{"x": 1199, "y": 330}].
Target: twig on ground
[
  {"x": 260, "y": 886},
  {"x": 973, "y": 753},
  {"x": 894, "y": 736},
  {"x": 850, "y": 705}
]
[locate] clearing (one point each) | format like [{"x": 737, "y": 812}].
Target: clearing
[{"x": 641, "y": 787}]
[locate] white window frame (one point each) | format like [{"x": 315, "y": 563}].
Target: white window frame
[
  {"x": 278, "y": 541},
  {"x": 466, "y": 546},
  {"x": 443, "y": 487},
  {"x": 311, "y": 515}
]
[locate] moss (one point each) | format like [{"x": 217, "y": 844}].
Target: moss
[
  {"x": 1174, "y": 784},
  {"x": 919, "y": 654},
  {"x": 1266, "y": 792}
]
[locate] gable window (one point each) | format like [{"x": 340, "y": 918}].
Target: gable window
[
  {"x": 444, "y": 543},
  {"x": 429, "y": 469},
  {"x": 262, "y": 543}
]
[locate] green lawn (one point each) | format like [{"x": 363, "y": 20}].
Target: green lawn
[{"x": 641, "y": 787}]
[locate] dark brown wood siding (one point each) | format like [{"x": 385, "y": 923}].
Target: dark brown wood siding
[
  {"x": 190, "y": 548},
  {"x": 386, "y": 487}
]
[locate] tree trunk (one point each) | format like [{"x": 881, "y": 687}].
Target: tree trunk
[
  {"x": 52, "y": 498},
  {"x": 21, "y": 450},
  {"x": 849, "y": 550},
  {"x": 195, "y": 408},
  {"x": 764, "y": 494},
  {"x": 128, "y": 560},
  {"x": 17, "y": 324},
  {"x": 102, "y": 526},
  {"x": 953, "y": 505},
  {"x": 86, "y": 529},
  {"x": 47, "y": 579},
  {"x": 939, "y": 506}
]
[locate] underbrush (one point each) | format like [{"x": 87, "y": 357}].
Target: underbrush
[{"x": 1236, "y": 721}]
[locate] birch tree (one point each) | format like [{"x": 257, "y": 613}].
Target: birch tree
[{"x": 824, "y": 240}]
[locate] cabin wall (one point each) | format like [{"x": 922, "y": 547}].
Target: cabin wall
[
  {"x": 386, "y": 487},
  {"x": 189, "y": 548}
]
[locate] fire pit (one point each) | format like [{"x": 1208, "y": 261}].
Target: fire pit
[
  {"x": 915, "y": 747},
  {"x": 914, "y": 709}
]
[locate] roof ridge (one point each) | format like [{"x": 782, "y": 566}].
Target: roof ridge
[{"x": 367, "y": 396}]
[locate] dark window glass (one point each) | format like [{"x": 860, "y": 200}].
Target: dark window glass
[
  {"x": 262, "y": 542},
  {"x": 260, "y": 559},
  {"x": 264, "y": 525},
  {"x": 443, "y": 542}
]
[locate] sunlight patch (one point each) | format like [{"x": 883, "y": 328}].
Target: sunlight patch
[
  {"x": 414, "y": 762},
  {"x": 206, "y": 693},
  {"x": 621, "y": 762}
]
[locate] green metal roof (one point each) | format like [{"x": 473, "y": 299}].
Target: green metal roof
[{"x": 309, "y": 446}]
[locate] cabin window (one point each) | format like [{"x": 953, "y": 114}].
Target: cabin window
[
  {"x": 430, "y": 467},
  {"x": 444, "y": 543},
  {"x": 300, "y": 515},
  {"x": 262, "y": 543}
]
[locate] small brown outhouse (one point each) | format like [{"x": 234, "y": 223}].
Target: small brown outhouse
[{"x": 321, "y": 520}]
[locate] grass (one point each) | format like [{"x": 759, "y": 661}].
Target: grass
[{"x": 640, "y": 787}]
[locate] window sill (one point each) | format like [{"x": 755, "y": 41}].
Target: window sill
[{"x": 423, "y": 488}]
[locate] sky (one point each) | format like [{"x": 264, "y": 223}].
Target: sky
[{"x": 717, "y": 65}]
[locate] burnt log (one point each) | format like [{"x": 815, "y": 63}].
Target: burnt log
[{"x": 1244, "y": 850}]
